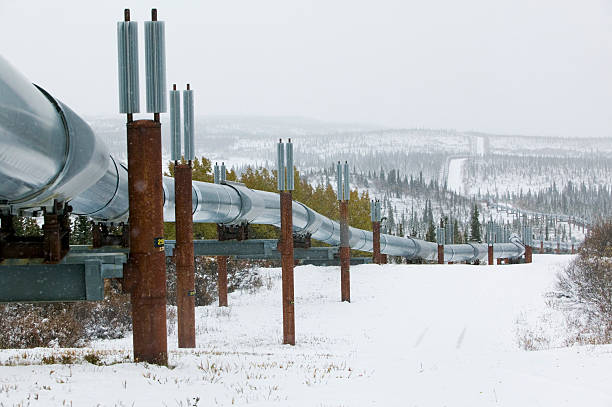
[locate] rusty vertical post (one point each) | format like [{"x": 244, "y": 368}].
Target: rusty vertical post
[
  {"x": 286, "y": 202},
  {"x": 51, "y": 240},
  {"x": 375, "y": 217},
  {"x": 499, "y": 261},
  {"x": 285, "y": 184},
  {"x": 343, "y": 194},
  {"x": 345, "y": 254},
  {"x": 541, "y": 246},
  {"x": 146, "y": 270},
  {"x": 376, "y": 242},
  {"x": 528, "y": 254},
  {"x": 222, "y": 280},
  {"x": 185, "y": 273},
  {"x": 441, "y": 240},
  {"x": 490, "y": 255}
]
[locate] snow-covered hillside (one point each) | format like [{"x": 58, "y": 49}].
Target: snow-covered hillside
[{"x": 414, "y": 335}]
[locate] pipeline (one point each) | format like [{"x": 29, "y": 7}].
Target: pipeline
[{"x": 47, "y": 153}]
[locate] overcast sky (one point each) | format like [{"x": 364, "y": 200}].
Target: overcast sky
[{"x": 535, "y": 67}]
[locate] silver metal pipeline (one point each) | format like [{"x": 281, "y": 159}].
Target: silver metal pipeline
[
  {"x": 233, "y": 203},
  {"x": 552, "y": 245},
  {"x": 49, "y": 153}
]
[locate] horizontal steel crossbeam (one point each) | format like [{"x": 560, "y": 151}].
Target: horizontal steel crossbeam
[
  {"x": 79, "y": 277},
  {"x": 253, "y": 249}
]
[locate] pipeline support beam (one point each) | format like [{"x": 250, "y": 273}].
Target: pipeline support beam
[
  {"x": 345, "y": 254},
  {"x": 528, "y": 254},
  {"x": 376, "y": 242},
  {"x": 287, "y": 261},
  {"x": 146, "y": 269},
  {"x": 222, "y": 280},
  {"x": 185, "y": 267},
  {"x": 440, "y": 254}
]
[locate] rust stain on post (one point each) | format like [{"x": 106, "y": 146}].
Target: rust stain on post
[
  {"x": 287, "y": 261},
  {"x": 345, "y": 254},
  {"x": 222, "y": 280},
  {"x": 146, "y": 269},
  {"x": 185, "y": 267}
]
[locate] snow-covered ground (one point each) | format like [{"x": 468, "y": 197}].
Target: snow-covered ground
[
  {"x": 414, "y": 335},
  {"x": 455, "y": 175}
]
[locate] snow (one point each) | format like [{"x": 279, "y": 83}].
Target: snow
[
  {"x": 413, "y": 335},
  {"x": 480, "y": 146},
  {"x": 455, "y": 175}
]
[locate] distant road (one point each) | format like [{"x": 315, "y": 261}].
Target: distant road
[{"x": 454, "y": 181}]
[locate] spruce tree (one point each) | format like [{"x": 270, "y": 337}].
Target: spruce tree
[
  {"x": 81, "y": 231},
  {"x": 456, "y": 233},
  {"x": 475, "y": 225},
  {"x": 431, "y": 232},
  {"x": 26, "y": 226}
]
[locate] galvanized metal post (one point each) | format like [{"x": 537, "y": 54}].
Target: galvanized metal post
[
  {"x": 146, "y": 270},
  {"x": 222, "y": 280}
]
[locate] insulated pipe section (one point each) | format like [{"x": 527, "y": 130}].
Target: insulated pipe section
[
  {"x": 47, "y": 151},
  {"x": 552, "y": 244},
  {"x": 106, "y": 200}
]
